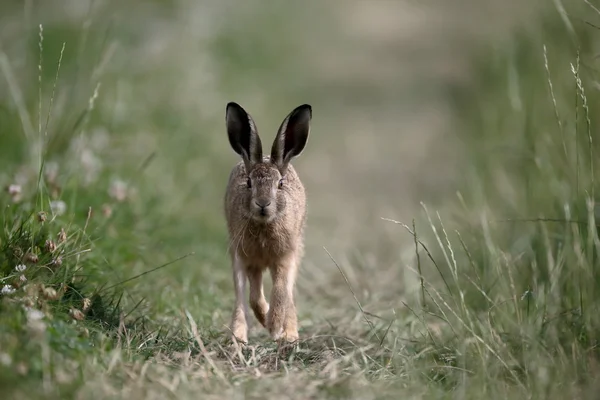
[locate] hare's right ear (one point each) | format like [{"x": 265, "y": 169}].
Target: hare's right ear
[{"x": 242, "y": 134}]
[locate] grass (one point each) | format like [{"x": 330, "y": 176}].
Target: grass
[{"x": 113, "y": 267}]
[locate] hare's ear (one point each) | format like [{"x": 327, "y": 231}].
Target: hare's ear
[
  {"x": 291, "y": 137},
  {"x": 242, "y": 134}
]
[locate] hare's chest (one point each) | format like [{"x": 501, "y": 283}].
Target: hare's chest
[{"x": 264, "y": 246}]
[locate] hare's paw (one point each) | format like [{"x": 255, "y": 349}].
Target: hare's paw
[
  {"x": 290, "y": 329},
  {"x": 240, "y": 337},
  {"x": 290, "y": 335},
  {"x": 275, "y": 323},
  {"x": 240, "y": 331},
  {"x": 280, "y": 328}
]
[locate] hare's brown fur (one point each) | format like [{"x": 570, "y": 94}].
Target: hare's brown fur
[
  {"x": 257, "y": 242},
  {"x": 265, "y": 208}
]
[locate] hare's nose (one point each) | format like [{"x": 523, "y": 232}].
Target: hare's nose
[{"x": 262, "y": 204}]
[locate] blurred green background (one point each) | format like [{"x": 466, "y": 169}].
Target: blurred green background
[{"x": 118, "y": 108}]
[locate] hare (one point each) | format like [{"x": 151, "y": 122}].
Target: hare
[{"x": 265, "y": 208}]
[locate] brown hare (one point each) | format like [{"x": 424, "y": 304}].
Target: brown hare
[{"x": 265, "y": 208}]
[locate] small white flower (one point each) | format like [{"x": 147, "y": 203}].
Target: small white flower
[
  {"x": 51, "y": 170},
  {"x": 99, "y": 139},
  {"x": 34, "y": 320},
  {"x": 91, "y": 165},
  {"x": 20, "y": 268},
  {"x": 34, "y": 315},
  {"x": 23, "y": 278},
  {"x": 5, "y": 359},
  {"x": 14, "y": 190},
  {"x": 58, "y": 207},
  {"x": 7, "y": 289},
  {"x": 118, "y": 190}
]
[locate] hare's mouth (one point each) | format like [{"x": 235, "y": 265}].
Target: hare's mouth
[{"x": 264, "y": 216}]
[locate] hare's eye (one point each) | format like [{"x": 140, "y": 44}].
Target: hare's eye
[
  {"x": 280, "y": 183},
  {"x": 249, "y": 183}
]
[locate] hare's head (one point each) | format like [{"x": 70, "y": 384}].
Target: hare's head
[{"x": 265, "y": 190}]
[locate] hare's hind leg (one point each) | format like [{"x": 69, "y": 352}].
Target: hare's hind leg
[
  {"x": 258, "y": 303},
  {"x": 239, "y": 326}
]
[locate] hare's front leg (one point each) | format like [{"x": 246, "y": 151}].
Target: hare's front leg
[
  {"x": 239, "y": 326},
  {"x": 281, "y": 319},
  {"x": 258, "y": 303}
]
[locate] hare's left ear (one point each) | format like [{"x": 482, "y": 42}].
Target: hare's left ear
[{"x": 291, "y": 137}]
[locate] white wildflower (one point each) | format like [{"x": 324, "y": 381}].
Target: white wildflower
[
  {"x": 85, "y": 160},
  {"x": 99, "y": 139},
  {"x": 7, "y": 289},
  {"x": 14, "y": 190},
  {"x": 58, "y": 207},
  {"x": 34, "y": 320},
  {"x": 23, "y": 278},
  {"x": 51, "y": 171},
  {"x": 5, "y": 359},
  {"x": 118, "y": 190},
  {"x": 91, "y": 164},
  {"x": 20, "y": 268},
  {"x": 33, "y": 314}
]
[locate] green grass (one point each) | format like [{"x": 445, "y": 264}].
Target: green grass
[{"x": 127, "y": 291}]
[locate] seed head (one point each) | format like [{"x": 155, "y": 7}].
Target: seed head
[
  {"x": 106, "y": 210},
  {"x": 31, "y": 257},
  {"x": 84, "y": 332},
  {"x": 87, "y": 303},
  {"x": 28, "y": 301},
  {"x": 17, "y": 252},
  {"x": 76, "y": 314},
  {"x": 22, "y": 368},
  {"x": 50, "y": 246},
  {"x": 62, "y": 236},
  {"x": 51, "y": 293}
]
